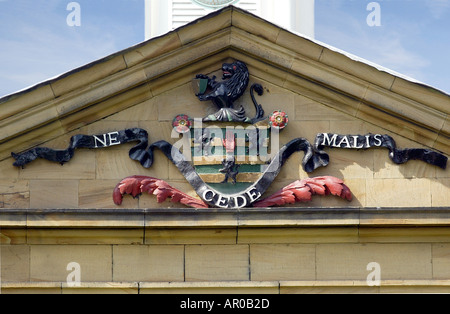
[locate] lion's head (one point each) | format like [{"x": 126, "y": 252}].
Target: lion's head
[{"x": 237, "y": 78}]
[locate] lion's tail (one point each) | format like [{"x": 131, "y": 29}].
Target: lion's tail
[{"x": 259, "y": 109}]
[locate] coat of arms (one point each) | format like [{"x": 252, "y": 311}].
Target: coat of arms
[{"x": 232, "y": 158}]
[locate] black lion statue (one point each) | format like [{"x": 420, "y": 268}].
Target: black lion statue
[{"x": 223, "y": 94}]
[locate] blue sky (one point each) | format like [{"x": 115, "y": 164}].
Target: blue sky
[
  {"x": 413, "y": 39},
  {"x": 36, "y": 43}
]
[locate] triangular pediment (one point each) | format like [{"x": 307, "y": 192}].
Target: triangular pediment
[{"x": 322, "y": 91}]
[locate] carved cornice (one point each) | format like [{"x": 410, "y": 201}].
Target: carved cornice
[
  {"x": 225, "y": 218},
  {"x": 233, "y": 287}
]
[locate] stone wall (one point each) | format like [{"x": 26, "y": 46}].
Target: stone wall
[{"x": 221, "y": 251}]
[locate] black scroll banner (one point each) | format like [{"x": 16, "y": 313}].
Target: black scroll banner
[
  {"x": 314, "y": 158},
  {"x": 138, "y": 152},
  {"x": 398, "y": 156}
]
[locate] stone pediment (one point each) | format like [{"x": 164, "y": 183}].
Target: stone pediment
[{"x": 322, "y": 90}]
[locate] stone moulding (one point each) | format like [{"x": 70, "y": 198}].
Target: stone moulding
[
  {"x": 227, "y": 218},
  {"x": 235, "y": 287}
]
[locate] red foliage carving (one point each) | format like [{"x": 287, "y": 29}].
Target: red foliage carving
[
  {"x": 136, "y": 185},
  {"x": 303, "y": 190}
]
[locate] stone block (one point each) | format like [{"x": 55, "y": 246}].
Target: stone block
[
  {"x": 16, "y": 200},
  {"x": 20, "y": 102},
  {"x": 158, "y": 46},
  {"x": 282, "y": 262},
  {"x": 307, "y": 109},
  {"x": 50, "y": 262},
  {"x": 398, "y": 193},
  {"x": 15, "y": 263},
  {"x": 55, "y": 194},
  {"x": 144, "y": 111},
  {"x": 440, "y": 192},
  {"x": 350, "y": 261},
  {"x": 217, "y": 263},
  {"x": 148, "y": 263},
  {"x": 13, "y": 186},
  {"x": 292, "y": 42},
  {"x": 330, "y": 77},
  {"x": 104, "y": 107},
  {"x": 8, "y": 172},
  {"x": 88, "y": 75},
  {"x": 190, "y": 236},
  {"x": 442, "y": 143},
  {"x": 180, "y": 100},
  {"x": 204, "y": 28},
  {"x": 260, "y": 48},
  {"x": 359, "y": 69},
  {"x": 441, "y": 261},
  {"x": 432, "y": 97}
]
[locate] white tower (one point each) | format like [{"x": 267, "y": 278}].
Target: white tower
[
  {"x": 162, "y": 16},
  {"x": 293, "y": 15},
  {"x": 303, "y": 17}
]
